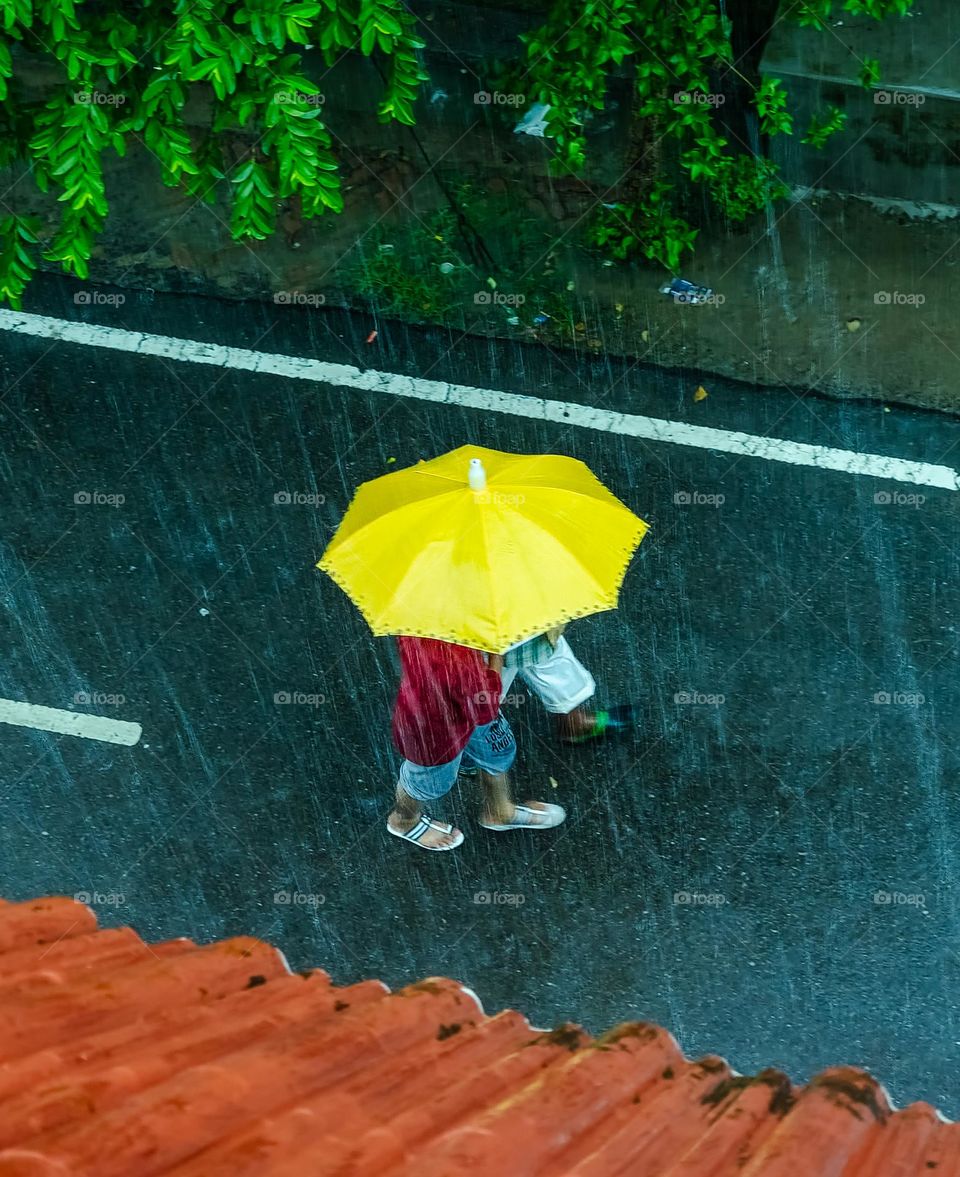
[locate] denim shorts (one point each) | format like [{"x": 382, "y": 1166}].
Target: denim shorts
[{"x": 490, "y": 747}]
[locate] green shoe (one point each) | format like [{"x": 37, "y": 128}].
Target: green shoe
[{"x": 616, "y": 719}]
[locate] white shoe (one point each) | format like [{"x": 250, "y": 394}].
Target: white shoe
[{"x": 525, "y": 818}]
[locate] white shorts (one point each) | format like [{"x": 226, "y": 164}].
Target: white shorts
[{"x": 560, "y": 680}]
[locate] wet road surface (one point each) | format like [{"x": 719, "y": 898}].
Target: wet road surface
[{"x": 767, "y": 867}]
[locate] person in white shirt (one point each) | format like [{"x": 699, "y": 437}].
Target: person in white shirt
[{"x": 549, "y": 667}]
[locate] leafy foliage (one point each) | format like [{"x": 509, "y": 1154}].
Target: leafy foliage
[
  {"x": 129, "y": 72},
  {"x": 672, "y": 51},
  {"x": 17, "y": 264},
  {"x": 124, "y": 78},
  {"x": 869, "y": 72},
  {"x": 822, "y": 126},
  {"x": 771, "y": 101},
  {"x": 823, "y": 12}
]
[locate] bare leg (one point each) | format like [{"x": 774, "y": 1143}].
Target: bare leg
[
  {"x": 405, "y": 816},
  {"x": 497, "y": 797},
  {"x": 499, "y": 808}
]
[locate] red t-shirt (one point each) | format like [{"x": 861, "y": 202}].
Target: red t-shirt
[{"x": 445, "y": 692}]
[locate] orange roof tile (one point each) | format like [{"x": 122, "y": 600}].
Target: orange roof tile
[{"x": 124, "y": 1059}]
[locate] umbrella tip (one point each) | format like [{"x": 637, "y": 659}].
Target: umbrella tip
[{"x": 477, "y": 476}]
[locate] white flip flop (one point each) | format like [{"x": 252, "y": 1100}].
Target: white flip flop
[
  {"x": 525, "y": 818},
  {"x": 415, "y": 833}
]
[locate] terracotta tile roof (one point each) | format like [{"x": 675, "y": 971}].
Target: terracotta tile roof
[{"x": 123, "y": 1058}]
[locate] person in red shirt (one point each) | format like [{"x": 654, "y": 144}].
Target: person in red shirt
[{"x": 448, "y": 708}]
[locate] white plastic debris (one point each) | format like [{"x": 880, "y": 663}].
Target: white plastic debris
[{"x": 534, "y": 122}]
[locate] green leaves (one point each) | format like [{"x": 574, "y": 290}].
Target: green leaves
[
  {"x": 297, "y": 142},
  {"x": 878, "y": 9},
  {"x": 869, "y": 73},
  {"x": 17, "y": 262},
  {"x": 386, "y": 24},
  {"x": 744, "y": 184},
  {"x": 821, "y": 12},
  {"x": 651, "y": 228},
  {"x": 812, "y": 12},
  {"x": 159, "y": 118},
  {"x": 675, "y": 53},
  {"x": 16, "y": 12},
  {"x": 73, "y": 243},
  {"x": 822, "y": 126},
  {"x": 770, "y": 99},
  {"x": 209, "y": 52},
  {"x": 128, "y": 72},
  {"x": 254, "y": 202},
  {"x": 287, "y": 22},
  {"x": 6, "y": 70},
  {"x": 130, "y": 77},
  {"x": 67, "y": 147},
  {"x": 664, "y": 236},
  {"x": 395, "y": 35}
]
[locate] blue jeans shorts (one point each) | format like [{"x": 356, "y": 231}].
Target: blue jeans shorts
[{"x": 491, "y": 747}]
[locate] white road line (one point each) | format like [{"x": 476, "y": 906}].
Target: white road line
[
  {"x": 487, "y": 399},
  {"x": 70, "y": 723}
]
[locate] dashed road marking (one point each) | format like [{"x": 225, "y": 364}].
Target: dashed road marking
[{"x": 69, "y": 723}]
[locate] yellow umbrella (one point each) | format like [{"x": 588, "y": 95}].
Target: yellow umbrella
[{"x": 483, "y": 548}]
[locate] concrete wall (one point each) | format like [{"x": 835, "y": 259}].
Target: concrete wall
[{"x": 902, "y": 139}]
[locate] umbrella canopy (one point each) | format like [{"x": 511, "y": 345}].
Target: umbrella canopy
[{"x": 483, "y": 548}]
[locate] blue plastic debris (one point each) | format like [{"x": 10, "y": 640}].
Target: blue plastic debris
[{"x": 683, "y": 291}]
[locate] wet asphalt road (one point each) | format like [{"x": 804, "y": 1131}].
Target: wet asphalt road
[{"x": 770, "y": 871}]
